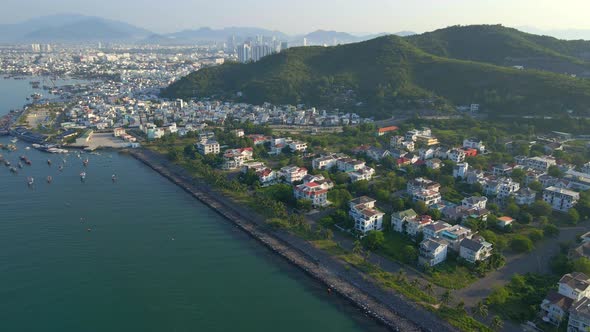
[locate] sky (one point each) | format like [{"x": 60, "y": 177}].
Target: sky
[{"x": 302, "y": 16}]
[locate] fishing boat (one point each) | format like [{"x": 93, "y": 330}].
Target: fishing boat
[
  {"x": 30, "y": 180},
  {"x": 13, "y": 170},
  {"x": 49, "y": 179},
  {"x": 61, "y": 168},
  {"x": 28, "y": 162},
  {"x": 49, "y": 162},
  {"x": 83, "y": 176},
  {"x": 85, "y": 162},
  {"x": 114, "y": 177},
  {"x": 20, "y": 165},
  {"x": 7, "y": 163},
  {"x": 14, "y": 140}
]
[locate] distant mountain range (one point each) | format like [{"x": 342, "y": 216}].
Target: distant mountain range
[
  {"x": 80, "y": 28},
  {"x": 71, "y": 28},
  {"x": 454, "y": 66}
]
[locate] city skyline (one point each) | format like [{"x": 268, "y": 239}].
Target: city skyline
[{"x": 375, "y": 16}]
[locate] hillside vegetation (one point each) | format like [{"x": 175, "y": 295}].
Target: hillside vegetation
[
  {"x": 507, "y": 47},
  {"x": 379, "y": 76}
]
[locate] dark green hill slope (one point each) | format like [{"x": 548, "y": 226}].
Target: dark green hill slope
[
  {"x": 386, "y": 74},
  {"x": 507, "y": 47}
]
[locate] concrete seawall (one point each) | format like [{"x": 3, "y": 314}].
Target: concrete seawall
[{"x": 385, "y": 306}]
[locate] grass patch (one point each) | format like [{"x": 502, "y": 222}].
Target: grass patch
[
  {"x": 451, "y": 275},
  {"x": 460, "y": 319}
]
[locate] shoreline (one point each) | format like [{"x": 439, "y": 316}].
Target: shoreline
[{"x": 386, "y": 307}]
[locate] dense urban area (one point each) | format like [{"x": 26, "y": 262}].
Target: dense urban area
[{"x": 480, "y": 222}]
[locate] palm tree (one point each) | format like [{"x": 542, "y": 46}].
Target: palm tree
[
  {"x": 460, "y": 306},
  {"x": 446, "y": 297},
  {"x": 429, "y": 289},
  {"x": 481, "y": 309},
  {"x": 497, "y": 323},
  {"x": 358, "y": 247},
  {"x": 401, "y": 275}
]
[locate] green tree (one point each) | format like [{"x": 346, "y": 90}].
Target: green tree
[
  {"x": 536, "y": 186},
  {"x": 481, "y": 309},
  {"x": 525, "y": 218},
  {"x": 339, "y": 197},
  {"x": 498, "y": 296},
  {"x": 518, "y": 175},
  {"x": 536, "y": 235},
  {"x": 374, "y": 240},
  {"x": 398, "y": 204},
  {"x": 554, "y": 171},
  {"x": 429, "y": 289},
  {"x": 304, "y": 204},
  {"x": 573, "y": 216},
  {"x": 582, "y": 264},
  {"x": 357, "y": 248},
  {"x": 521, "y": 244},
  {"x": 497, "y": 323},
  {"x": 410, "y": 254},
  {"x": 551, "y": 230},
  {"x": 512, "y": 210},
  {"x": 541, "y": 208},
  {"x": 446, "y": 297},
  {"x": 420, "y": 207}
]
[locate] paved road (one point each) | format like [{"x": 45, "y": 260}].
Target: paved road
[{"x": 536, "y": 261}]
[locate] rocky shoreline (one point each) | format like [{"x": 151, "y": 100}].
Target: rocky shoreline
[{"x": 387, "y": 307}]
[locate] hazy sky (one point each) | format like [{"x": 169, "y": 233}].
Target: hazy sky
[{"x": 298, "y": 16}]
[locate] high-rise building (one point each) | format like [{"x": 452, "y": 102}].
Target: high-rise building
[
  {"x": 245, "y": 53},
  {"x": 260, "y": 51},
  {"x": 304, "y": 41},
  {"x": 284, "y": 46},
  {"x": 36, "y": 48}
]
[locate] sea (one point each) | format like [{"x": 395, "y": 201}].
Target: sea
[{"x": 138, "y": 254}]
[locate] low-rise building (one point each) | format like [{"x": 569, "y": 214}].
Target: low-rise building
[
  {"x": 560, "y": 199},
  {"x": 208, "y": 146},
  {"x": 314, "y": 192},
  {"x": 475, "y": 250},
  {"x": 291, "y": 174},
  {"x": 525, "y": 196},
  {"x": 400, "y": 219},
  {"x": 433, "y": 251},
  {"x": 505, "y": 221},
  {"x": 366, "y": 217},
  {"x": 433, "y": 230},
  {"x": 420, "y": 184},
  {"x": 579, "y": 316},
  {"x": 457, "y": 155},
  {"x": 475, "y": 202},
  {"x": 235, "y": 158},
  {"x": 460, "y": 170},
  {"x": 473, "y": 143},
  {"x": 572, "y": 287},
  {"x": 434, "y": 163},
  {"x": 429, "y": 197}
]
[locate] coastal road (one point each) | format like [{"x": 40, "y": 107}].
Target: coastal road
[{"x": 384, "y": 304}]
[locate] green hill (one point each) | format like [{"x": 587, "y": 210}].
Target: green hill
[
  {"x": 507, "y": 47},
  {"x": 382, "y": 75}
]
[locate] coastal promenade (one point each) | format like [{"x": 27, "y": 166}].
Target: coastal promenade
[{"x": 385, "y": 306}]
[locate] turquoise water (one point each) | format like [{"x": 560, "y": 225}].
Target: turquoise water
[{"x": 139, "y": 255}]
